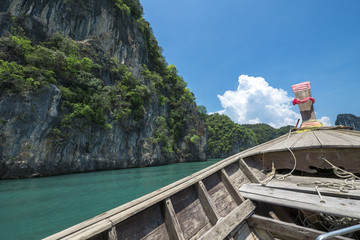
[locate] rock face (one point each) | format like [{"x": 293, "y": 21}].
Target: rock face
[
  {"x": 348, "y": 120},
  {"x": 29, "y": 142},
  {"x": 93, "y": 20}
]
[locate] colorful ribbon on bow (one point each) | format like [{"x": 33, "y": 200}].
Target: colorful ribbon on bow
[{"x": 297, "y": 101}]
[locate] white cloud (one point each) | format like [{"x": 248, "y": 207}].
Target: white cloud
[
  {"x": 255, "y": 101},
  {"x": 325, "y": 120}
]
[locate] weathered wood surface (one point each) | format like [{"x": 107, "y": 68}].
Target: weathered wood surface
[
  {"x": 326, "y": 139},
  {"x": 219, "y": 195},
  {"x": 297, "y": 139},
  {"x": 247, "y": 171},
  {"x": 244, "y": 233},
  {"x": 285, "y": 230},
  {"x": 234, "y": 193},
  {"x": 207, "y": 203},
  {"x": 228, "y": 223},
  {"x": 139, "y": 226},
  {"x": 190, "y": 213},
  {"x": 236, "y": 176},
  {"x": 307, "y": 108},
  {"x": 299, "y": 200},
  {"x": 261, "y": 234},
  {"x": 172, "y": 224},
  {"x": 309, "y": 159},
  {"x": 97, "y": 228},
  {"x": 307, "y": 184},
  {"x": 316, "y": 138}
]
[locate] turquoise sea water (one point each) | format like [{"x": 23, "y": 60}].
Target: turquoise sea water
[{"x": 38, "y": 207}]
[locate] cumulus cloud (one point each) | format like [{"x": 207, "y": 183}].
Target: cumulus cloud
[
  {"x": 255, "y": 101},
  {"x": 325, "y": 120}
]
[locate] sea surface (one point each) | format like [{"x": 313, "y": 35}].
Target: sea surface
[{"x": 38, "y": 207}]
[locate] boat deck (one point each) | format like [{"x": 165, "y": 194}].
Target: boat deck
[{"x": 227, "y": 201}]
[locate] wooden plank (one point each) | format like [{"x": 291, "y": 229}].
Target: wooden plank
[
  {"x": 140, "y": 226},
  {"x": 171, "y": 222},
  {"x": 308, "y": 140},
  {"x": 236, "y": 176},
  {"x": 311, "y": 202},
  {"x": 207, "y": 203},
  {"x": 95, "y": 229},
  {"x": 261, "y": 147},
  {"x": 347, "y": 158},
  {"x": 280, "y": 145},
  {"x": 328, "y": 140},
  {"x": 246, "y": 170},
  {"x": 112, "y": 234},
  {"x": 307, "y": 184},
  {"x": 350, "y": 139},
  {"x": 261, "y": 234},
  {"x": 244, "y": 233},
  {"x": 190, "y": 213},
  {"x": 306, "y": 109},
  {"x": 231, "y": 188},
  {"x": 227, "y": 224},
  {"x": 285, "y": 230},
  {"x": 349, "y": 132},
  {"x": 219, "y": 195}
]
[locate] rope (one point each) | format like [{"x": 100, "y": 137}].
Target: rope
[
  {"x": 281, "y": 178},
  {"x": 349, "y": 179},
  {"x": 341, "y": 173},
  {"x": 271, "y": 175}
]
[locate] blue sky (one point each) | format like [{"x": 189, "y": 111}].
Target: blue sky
[{"x": 271, "y": 45}]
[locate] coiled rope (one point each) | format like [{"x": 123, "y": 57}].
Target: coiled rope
[
  {"x": 349, "y": 179},
  {"x": 273, "y": 171}
]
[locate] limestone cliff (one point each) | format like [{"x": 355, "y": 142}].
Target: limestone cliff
[
  {"x": 348, "y": 120},
  {"x": 109, "y": 102}
]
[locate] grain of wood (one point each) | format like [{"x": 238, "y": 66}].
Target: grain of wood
[
  {"x": 226, "y": 225},
  {"x": 334, "y": 206},
  {"x": 207, "y": 203},
  {"x": 307, "y": 184},
  {"x": 307, "y": 108},
  {"x": 234, "y": 193},
  {"x": 219, "y": 195},
  {"x": 172, "y": 224},
  {"x": 189, "y": 212},
  {"x": 285, "y": 230}
]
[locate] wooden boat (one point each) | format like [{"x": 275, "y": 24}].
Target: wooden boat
[{"x": 250, "y": 195}]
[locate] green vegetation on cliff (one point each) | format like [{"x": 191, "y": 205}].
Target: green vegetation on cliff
[
  {"x": 226, "y": 137},
  {"x": 87, "y": 100},
  {"x": 265, "y": 132}
]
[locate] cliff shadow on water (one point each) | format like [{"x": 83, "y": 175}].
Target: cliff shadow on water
[{"x": 84, "y": 87}]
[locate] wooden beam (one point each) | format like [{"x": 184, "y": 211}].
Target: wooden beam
[
  {"x": 261, "y": 234},
  {"x": 234, "y": 193},
  {"x": 228, "y": 223},
  {"x": 246, "y": 170},
  {"x": 285, "y": 230},
  {"x": 306, "y": 109},
  {"x": 86, "y": 233},
  {"x": 207, "y": 203},
  {"x": 299, "y": 200},
  {"x": 276, "y": 212},
  {"x": 171, "y": 222},
  {"x": 242, "y": 232},
  {"x": 307, "y": 184},
  {"x": 112, "y": 234}
]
